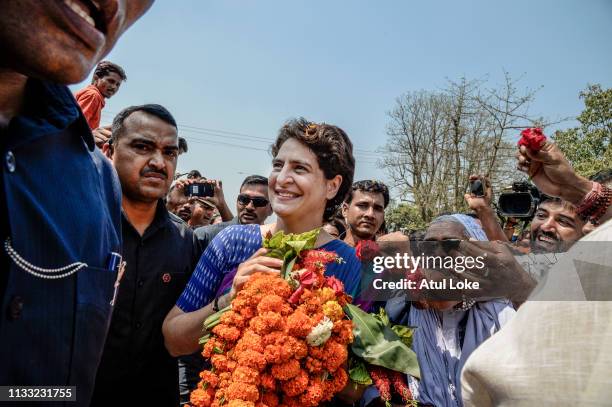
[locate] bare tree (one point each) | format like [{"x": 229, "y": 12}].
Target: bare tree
[{"x": 437, "y": 139}]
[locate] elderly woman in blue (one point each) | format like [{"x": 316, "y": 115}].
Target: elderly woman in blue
[
  {"x": 312, "y": 171},
  {"x": 447, "y": 332}
]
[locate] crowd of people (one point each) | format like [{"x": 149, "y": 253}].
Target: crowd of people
[{"x": 112, "y": 261}]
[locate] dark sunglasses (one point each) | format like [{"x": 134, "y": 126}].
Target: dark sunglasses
[{"x": 258, "y": 201}]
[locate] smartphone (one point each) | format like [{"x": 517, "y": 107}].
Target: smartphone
[
  {"x": 200, "y": 189},
  {"x": 476, "y": 187}
]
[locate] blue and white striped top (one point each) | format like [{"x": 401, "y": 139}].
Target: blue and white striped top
[{"x": 235, "y": 244}]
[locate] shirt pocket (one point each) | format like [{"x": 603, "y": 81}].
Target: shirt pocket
[{"x": 95, "y": 287}]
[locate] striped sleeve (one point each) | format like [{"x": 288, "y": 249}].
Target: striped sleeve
[{"x": 227, "y": 250}]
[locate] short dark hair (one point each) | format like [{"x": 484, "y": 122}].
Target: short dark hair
[
  {"x": 104, "y": 68},
  {"x": 194, "y": 174},
  {"x": 338, "y": 224},
  {"x": 182, "y": 144},
  {"x": 254, "y": 180},
  {"x": 555, "y": 200},
  {"x": 333, "y": 149},
  {"x": 375, "y": 187},
  {"x": 154, "y": 110}
]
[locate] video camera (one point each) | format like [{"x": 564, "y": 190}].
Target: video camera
[{"x": 519, "y": 201}]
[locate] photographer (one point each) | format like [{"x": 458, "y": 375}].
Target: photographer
[{"x": 177, "y": 200}]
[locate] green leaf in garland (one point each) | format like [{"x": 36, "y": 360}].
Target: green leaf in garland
[
  {"x": 382, "y": 315},
  {"x": 377, "y": 344},
  {"x": 404, "y": 333},
  {"x": 288, "y": 247},
  {"x": 358, "y": 372}
]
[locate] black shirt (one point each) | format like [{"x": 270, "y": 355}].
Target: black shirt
[
  {"x": 205, "y": 234},
  {"x": 136, "y": 367}
]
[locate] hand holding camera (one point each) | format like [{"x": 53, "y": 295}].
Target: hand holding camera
[{"x": 481, "y": 193}]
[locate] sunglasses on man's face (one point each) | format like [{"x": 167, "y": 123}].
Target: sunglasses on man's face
[{"x": 258, "y": 201}]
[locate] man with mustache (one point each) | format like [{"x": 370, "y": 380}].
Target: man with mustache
[
  {"x": 107, "y": 79},
  {"x": 364, "y": 210},
  {"x": 60, "y": 196},
  {"x": 161, "y": 253},
  {"x": 555, "y": 226}
]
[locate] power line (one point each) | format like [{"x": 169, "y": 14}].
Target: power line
[{"x": 245, "y": 137}]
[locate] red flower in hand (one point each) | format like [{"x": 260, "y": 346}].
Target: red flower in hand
[
  {"x": 366, "y": 250},
  {"x": 532, "y": 138}
]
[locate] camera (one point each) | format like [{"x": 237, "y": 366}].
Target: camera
[
  {"x": 519, "y": 201},
  {"x": 200, "y": 189},
  {"x": 477, "y": 188}
]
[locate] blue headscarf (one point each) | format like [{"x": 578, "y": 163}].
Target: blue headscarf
[{"x": 471, "y": 226}]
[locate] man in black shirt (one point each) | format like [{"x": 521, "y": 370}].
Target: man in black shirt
[{"x": 161, "y": 254}]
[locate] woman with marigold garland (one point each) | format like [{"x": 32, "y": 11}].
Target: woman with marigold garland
[{"x": 312, "y": 171}]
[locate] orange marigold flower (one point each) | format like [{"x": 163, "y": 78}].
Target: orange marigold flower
[
  {"x": 326, "y": 294},
  {"x": 333, "y": 310},
  {"x": 273, "y": 338},
  {"x": 286, "y": 309},
  {"x": 239, "y": 403},
  {"x": 250, "y": 340},
  {"x": 297, "y": 385},
  {"x": 337, "y": 383},
  {"x": 336, "y": 355},
  {"x": 224, "y": 380},
  {"x": 232, "y": 318},
  {"x": 313, "y": 365},
  {"x": 244, "y": 374},
  {"x": 251, "y": 358},
  {"x": 287, "y": 370},
  {"x": 311, "y": 306},
  {"x": 221, "y": 363},
  {"x": 209, "y": 348},
  {"x": 209, "y": 378},
  {"x": 299, "y": 324},
  {"x": 267, "y": 322},
  {"x": 267, "y": 381},
  {"x": 296, "y": 347},
  {"x": 269, "y": 399},
  {"x": 274, "y": 354},
  {"x": 248, "y": 312},
  {"x": 227, "y": 332},
  {"x": 220, "y": 396},
  {"x": 270, "y": 302},
  {"x": 291, "y": 402},
  {"x": 313, "y": 395},
  {"x": 344, "y": 331},
  {"x": 242, "y": 391},
  {"x": 200, "y": 398},
  {"x": 241, "y": 301}
]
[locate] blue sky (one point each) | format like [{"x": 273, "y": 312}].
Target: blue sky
[{"x": 247, "y": 66}]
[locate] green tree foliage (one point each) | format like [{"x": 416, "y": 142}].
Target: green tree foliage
[
  {"x": 405, "y": 217},
  {"x": 588, "y": 146}
]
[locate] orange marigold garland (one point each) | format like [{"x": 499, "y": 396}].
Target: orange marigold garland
[{"x": 283, "y": 342}]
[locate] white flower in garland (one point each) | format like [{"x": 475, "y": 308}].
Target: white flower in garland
[{"x": 320, "y": 333}]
